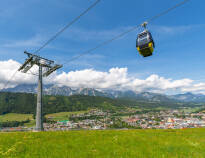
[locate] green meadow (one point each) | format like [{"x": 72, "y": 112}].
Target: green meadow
[
  {"x": 62, "y": 115},
  {"x": 186, "y": 143},
  {"x": 23, "y": 117},
  {"x": 15, "y": 117}
]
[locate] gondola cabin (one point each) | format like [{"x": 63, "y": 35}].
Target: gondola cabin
[{"x": 145, "y": 43}]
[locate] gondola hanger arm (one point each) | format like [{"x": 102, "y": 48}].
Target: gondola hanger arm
[{"x": 144, "y": 24}]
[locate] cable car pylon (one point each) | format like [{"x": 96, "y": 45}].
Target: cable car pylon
[{"x": 50, "y": 68}]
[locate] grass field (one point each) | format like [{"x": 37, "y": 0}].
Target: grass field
[
  {"x": 15, "y": 117},
  {"x": 62, "y": 115},
  {"x": 188, "y": 143},
  {"x": 23, "y": 117}
]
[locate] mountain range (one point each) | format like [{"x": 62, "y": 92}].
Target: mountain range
[{"x": 67, "y": 91}]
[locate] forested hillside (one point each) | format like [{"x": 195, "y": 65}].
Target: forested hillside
[{"x": 25, "y": 103}]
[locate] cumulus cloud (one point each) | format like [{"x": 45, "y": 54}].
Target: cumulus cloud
[
  {"x": 115, "y": 78},
  {"x": 196, "y": 88},
  {"x": 155, "y": 83},
  {"x": 8, "y": 69}
]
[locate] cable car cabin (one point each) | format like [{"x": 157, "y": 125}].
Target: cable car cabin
[{"x": 145, "y": 43}]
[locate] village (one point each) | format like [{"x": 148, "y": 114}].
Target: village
[
  {"x": 99, "y": 120},
  {"x": 171, "y": 119}
]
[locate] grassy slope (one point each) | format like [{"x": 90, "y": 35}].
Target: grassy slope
[{"x": 105, "y": 144}]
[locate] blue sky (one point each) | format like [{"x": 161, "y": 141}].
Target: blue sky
[{"x": 179, "y": 35}]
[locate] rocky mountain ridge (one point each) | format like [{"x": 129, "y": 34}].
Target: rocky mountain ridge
[{"x": 67, "y": 91}]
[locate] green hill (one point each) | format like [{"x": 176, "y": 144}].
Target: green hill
[{"x": 187, "y": 143}]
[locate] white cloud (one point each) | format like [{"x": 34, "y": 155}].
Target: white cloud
[
  {"x": 115, "y": 78},
  {"x": 8, "y": 68},
  {"x": 196, "y": 88}
]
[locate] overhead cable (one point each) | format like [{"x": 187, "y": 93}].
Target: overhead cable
[
  {"x": 126, "y": 32},
  {"x": 67, "y": 26},
  {"x": 56, "y": 35}
]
